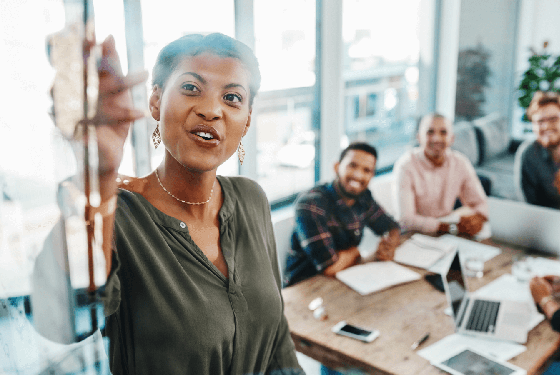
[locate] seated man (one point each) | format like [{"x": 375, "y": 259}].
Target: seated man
[
  {"x": 541, "y": 160},
  {"x": 430, "y": 178},
  {"x": 330, "y": 219}
]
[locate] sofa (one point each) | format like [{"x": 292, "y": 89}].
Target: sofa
[{"x": 487, "y": 143}]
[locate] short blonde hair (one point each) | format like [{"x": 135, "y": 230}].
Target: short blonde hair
[{"x": 540, "y": 99}]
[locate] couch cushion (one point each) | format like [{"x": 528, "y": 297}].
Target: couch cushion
[
  {"x": 495, "y": 135},
  {"x": 465, "y": 141}
]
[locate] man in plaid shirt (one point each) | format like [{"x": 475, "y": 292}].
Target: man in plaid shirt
[{"x": 330, "y": 220}]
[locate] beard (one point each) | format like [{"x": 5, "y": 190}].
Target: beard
[
  {"x": 345, "y": 193},
  {"x": 549, "y": 142}
]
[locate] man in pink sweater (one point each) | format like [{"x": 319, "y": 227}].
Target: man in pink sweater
[{"x": 430, "y": 178}]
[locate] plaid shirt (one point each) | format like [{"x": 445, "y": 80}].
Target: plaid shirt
[{"x": 325, "y": 225}]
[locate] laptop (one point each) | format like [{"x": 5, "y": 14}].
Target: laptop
[
  {"x": 484, "y": 317},
  {"x": 524, "y": 224}
]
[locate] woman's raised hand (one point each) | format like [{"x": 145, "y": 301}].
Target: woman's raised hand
[{"x": 115, "y": 111}]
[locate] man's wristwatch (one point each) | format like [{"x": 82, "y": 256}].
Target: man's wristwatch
[{"x": 453, "y": 229}]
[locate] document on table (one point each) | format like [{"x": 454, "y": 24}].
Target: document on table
[
  {"x": 467, "y": 248},
  {"x": 375, "y": 276},
  {"x": 542, "y": 266},
  {"x": 422, "y": 251},
  {"x": 498, "y": 349}
]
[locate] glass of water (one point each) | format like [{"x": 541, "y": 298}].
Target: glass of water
[
  {"x": 522, "y": 268},
  {"x": 474, "y": 266}
]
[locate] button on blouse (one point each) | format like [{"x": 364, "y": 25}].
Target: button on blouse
[{"x": 170, "y": 310}]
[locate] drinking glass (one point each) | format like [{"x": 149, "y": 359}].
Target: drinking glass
[
  {"x": 521, "y": 268},
  {"x": 474, "y": 266}
]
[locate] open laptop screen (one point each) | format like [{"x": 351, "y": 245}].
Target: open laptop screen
[{"x": 456, "y": 284}]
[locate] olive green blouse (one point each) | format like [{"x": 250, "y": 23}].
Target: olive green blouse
[{"x": 170, "y": 310}]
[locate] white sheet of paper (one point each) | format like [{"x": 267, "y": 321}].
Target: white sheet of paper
[
  {"x": 498, "y": 349},
  {"x": 421, "y": 251},
  {"x": 375, "y": 276},
  {"x": 467, "y": 248},
  {"x": 411, "y": 254},
  {"x": 543, "y": 266},
  {"x": 507, "y": 287}
]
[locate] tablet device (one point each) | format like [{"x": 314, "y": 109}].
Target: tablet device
[{"x": 466, "y": 361}]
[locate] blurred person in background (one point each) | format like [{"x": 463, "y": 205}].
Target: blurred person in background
[
  {"x": 540, "y": 163},
  {"x": 429, "y": 180},
  {"x": 330, "y": 219}
]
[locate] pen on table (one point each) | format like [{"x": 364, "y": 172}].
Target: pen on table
[{"x": 419, "y": 342}]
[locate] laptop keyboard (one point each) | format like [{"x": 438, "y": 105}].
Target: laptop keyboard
[{"x": 483, "y": 316}]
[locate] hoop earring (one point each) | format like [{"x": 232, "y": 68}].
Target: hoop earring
[
  {"x": 241, "y": 153},
  {"x": 156, "y": 136}
]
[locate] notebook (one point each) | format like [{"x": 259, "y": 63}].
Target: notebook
[
  {"x": 375, "y": 276},
  {"x": 485, "y": 317},
  {"x": 422, "y": 251}
]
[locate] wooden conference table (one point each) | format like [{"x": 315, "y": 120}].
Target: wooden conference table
[{"x": 403, "y": 314}]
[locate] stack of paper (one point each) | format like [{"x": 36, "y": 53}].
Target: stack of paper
[
  {"x": 422, "y": 251},
  {"x": 375, "y": 276}
]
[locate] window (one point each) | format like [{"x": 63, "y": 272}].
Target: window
[
  {"x": 381, "y": 74},
  {"x": 282, "y": 115}
]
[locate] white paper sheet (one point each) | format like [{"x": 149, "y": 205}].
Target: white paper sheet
[
  {"x": 542, "y": 266},
  {"x": 498, "y": 349},
  {"x": 375, "y": 276},
  {"x": 467, "y": 248},
  {"x": 422, "y": 251}
]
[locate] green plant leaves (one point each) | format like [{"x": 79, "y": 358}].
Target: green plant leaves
[{"x": 543, "y": 75}]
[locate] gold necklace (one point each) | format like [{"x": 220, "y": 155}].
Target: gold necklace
[{"x": 180, "y": 200}]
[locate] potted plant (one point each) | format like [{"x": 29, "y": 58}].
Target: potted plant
[{"x": 543, "y": 75}]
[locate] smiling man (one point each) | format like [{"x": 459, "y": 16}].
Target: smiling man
[
  {"x": 430, "y": 178},
  {"x": 541, "y": 160},
  {"x": 330, "y": 219}
]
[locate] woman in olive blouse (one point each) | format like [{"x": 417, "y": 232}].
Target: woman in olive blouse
[{"x": 193, "y": 282}]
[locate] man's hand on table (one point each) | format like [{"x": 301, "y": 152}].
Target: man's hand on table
[
  {"x": 346, "y": 258},
  {"x": 471, "y": 224},
  {"x": 387, "y": 245},
  {"x": 542, "y": 290}
]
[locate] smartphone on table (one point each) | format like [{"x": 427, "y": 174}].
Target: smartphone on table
[{"x": 355, "y": 332}]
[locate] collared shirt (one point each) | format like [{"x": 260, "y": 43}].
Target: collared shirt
[
  {"x": 325, "y": 224},
  {"x": 538, "y": 172},
  {"x": 171, "y": 311},
  {"x": 425, "y": 192}
]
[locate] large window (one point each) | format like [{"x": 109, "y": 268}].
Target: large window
[
  {"x": 285, "y": 47},
  {"x": 381, "y": 53}
]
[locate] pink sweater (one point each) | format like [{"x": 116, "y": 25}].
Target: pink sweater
[{"x": 425, "y": 192}]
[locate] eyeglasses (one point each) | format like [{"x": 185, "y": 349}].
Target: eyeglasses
[{"x": 551, "y": 120}]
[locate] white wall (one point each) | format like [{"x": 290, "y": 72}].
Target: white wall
[
  {"x": 537, "y": 22},
  {"x": 546, "y": 25}
]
